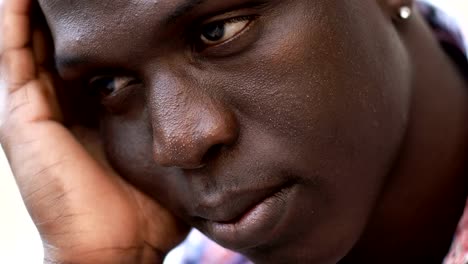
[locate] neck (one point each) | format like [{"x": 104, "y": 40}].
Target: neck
[{"x": 425, "y": 195}]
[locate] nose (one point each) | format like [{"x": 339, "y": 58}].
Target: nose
[{"x": 190, "y": 130}]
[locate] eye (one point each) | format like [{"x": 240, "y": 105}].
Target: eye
[
  {"x": 222, "y": 31},
  {"x": 106, "y": 86}
]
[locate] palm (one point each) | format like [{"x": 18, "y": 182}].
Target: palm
[
  {"x": 94, "y": 211},
  {"x": 81, "y": 207}
]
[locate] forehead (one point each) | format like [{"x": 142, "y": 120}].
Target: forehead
[
  {"x": 60, "y": 13},
  {"x": 75, "y": 24},
  {"x": 78, "y": 15},
  {"x": 58, "y": 7}
]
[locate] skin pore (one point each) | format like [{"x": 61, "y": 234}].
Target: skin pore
[{"x": 327, "y": 113}]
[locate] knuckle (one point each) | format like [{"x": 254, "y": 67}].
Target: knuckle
[{"x": 18, "y": 67}]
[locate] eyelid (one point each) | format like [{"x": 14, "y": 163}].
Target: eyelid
[
  {"x": 122, "y": 82},
  {"x": 247, "y": 19},
  {"x": 247, "y": 8},
  {"x": 251, "y": 19},
  {"x": 125, "y": 80}
]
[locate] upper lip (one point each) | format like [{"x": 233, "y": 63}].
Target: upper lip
[{"x": 229, "y": 206}]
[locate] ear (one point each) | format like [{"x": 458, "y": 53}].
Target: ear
[{"x": 397, "y": 10}]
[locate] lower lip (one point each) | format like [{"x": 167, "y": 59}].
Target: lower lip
[{"x": 255, "y": 227}]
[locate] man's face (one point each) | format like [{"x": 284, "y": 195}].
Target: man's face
[{"x": 268, "y": 125}]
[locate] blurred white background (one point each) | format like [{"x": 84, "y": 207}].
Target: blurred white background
[{"x": 19, "y": 241}]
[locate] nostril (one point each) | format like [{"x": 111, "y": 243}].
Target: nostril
[
  {"x": 161, "y": 158},
  {"x": 184, "y": 156},
  {"x": 179, "y": 162}
]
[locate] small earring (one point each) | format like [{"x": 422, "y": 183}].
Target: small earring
[{"x": 405, "y": 12}]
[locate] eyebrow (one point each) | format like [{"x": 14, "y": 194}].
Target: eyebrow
[
  {"x": 65, "y": 61},
  {"x": 68, "y": 61},
  {"x": 188, "y": 6}
]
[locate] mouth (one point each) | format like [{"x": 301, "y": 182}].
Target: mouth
[{"x": 254, "y": 224}]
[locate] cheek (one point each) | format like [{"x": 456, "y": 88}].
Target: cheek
[
  {"x": 128, "y": 144},
  {"x": 338, "y": 107}
]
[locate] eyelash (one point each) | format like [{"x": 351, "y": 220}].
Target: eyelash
[
  {"x": 96, "y": 86},
  {"x": 200, "y": 46}
]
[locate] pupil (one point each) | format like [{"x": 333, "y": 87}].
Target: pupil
[{"x": 214, "y": 32}]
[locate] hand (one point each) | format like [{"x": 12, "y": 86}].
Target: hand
[{"x": 84, "y": 211}]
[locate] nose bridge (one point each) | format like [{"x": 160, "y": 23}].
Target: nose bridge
[{"x": 187, "y": 124}]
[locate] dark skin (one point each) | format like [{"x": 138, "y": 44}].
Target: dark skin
[{"x": 309, "y": 132}]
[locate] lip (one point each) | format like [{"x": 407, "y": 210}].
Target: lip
[
  {"x": 229, "y": 207},
  {"x": 256, "y": 224}
]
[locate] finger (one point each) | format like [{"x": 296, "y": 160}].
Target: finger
[
  {"x": 18, "y": 6},
  {"x": 40, "y": 48},
  {"x": 16, "y": 30},
  {"x": 45, "y": 70},
  {"x": 31, "y": 96},
  {"x": 18, "y": 68},
  {"x": 42, "y": 42},
  {"x": 3, "y": 101}
]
